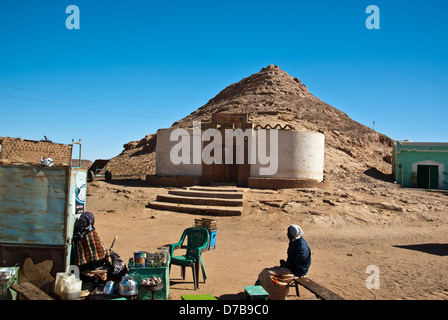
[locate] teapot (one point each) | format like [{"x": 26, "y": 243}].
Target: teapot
[{"x": 128, "y": 286}]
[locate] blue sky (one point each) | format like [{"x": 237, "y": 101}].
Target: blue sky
[{"x": 136, "y": 66}]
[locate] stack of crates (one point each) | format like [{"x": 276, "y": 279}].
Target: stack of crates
[{"x": 210, "y": 225}]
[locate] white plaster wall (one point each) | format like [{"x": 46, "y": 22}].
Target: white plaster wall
[
  {"x": 300, "y": 156},
  {"x": 164, "y": 165}
]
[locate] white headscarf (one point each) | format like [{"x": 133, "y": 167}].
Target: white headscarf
[{"x": 295, "y": 231}]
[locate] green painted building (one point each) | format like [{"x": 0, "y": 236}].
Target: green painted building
[{"x": 421, "y": 164}]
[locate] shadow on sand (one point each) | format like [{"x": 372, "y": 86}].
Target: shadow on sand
[
  {"x": 376, "y": 174},
  {"x": 439, "y": 249}
]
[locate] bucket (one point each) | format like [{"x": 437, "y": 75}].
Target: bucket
[{"x": 139, "y": 258}]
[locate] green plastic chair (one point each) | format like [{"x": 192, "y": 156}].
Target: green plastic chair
[{"x": 197, "y": 240}]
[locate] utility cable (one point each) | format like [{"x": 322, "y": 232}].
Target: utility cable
[{"x": 88, "y": 108}]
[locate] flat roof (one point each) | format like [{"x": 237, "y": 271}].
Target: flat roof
[
  {"x": 421, "y": 146},
  {"x": 412, "y": 143}
]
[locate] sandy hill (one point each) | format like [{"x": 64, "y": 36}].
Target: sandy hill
[{"x": 272, "y": 96}]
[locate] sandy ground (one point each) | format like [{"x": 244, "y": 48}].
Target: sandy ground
[{"x": 402, "y": 232}]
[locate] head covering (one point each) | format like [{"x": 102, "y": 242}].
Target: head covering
[
  {"x": 295, "y": 232},
  {"x": 84, "y": 225},
  {"x": 86, "y": 220}
]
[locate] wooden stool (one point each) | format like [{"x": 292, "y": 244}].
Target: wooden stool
[{"x": 255, "y": 293}]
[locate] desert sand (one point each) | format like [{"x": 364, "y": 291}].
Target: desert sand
[
  {"x": 403, "y": 232},
  {"x": 363, "y": 219}
]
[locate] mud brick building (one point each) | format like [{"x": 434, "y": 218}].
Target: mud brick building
[{"x": 30, "y": 151}]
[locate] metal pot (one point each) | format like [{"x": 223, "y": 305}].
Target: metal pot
[
  {"x": 128, "y": 286},
  {"x": 110, "y": 287}
]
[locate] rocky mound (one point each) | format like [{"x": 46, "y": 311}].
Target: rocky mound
[{"x": 272, "y": 96}]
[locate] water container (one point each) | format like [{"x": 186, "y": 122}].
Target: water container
[
  {"x": 72, "y": 288},
  {"x": 59, "y": 284}
]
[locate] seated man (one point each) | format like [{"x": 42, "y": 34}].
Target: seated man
[
  {"x": 299, "y": 253},
  {"x": 276, "y": 280}
]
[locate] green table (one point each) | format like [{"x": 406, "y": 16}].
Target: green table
[
  {"x": 198, "y": 297},
  {"x": 143, "y": 273}
]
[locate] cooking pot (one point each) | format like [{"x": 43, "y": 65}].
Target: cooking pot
[{"x": 128, "y": 286}]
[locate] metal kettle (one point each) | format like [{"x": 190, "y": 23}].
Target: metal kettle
[{"x": 128, "y": 286}]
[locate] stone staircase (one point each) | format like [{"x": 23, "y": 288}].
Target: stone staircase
[{"x": 215, "y": 201}]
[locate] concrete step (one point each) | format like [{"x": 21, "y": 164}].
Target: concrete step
[
  {"x": 199, "y": 200},
  {"x": 216, "y": 189},
  {"x": 207, "y": 194},
  {"x": 197, "y": 209}
]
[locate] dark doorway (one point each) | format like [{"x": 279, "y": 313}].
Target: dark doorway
[{"x": 428, "y": 177}]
